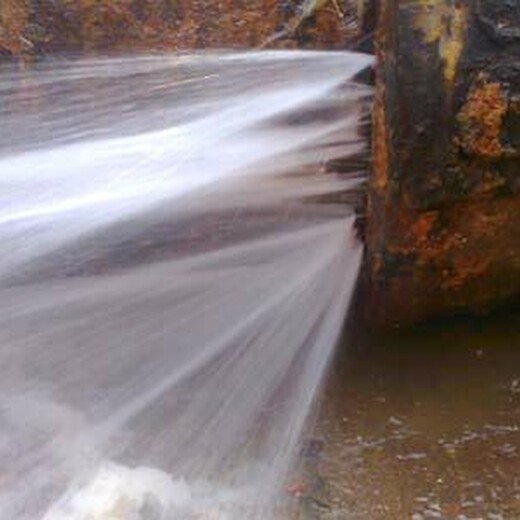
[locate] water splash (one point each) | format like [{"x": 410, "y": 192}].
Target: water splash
[{"x": 173, "y": 283}]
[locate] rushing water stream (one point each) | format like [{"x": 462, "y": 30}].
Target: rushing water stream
[{"x": 172, "y": 282}]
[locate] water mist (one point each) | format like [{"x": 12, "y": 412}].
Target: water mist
[{"x": 175, "y": 273}]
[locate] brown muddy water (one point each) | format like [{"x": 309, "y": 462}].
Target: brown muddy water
[{"x": 419, "y": 425}]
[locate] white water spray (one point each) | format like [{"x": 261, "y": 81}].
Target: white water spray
[{"x": 171, "y": 287}]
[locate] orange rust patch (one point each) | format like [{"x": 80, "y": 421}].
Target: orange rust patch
[
  {"x": 380, "y": 142},
  {"x": 163, "y": 24},
  {"x": 480, "y": 120},
  {"x": 380, "y": 133},
  {"x": 13, "y": 19},
  {"x": 464, "y": 270},
  {"x": 422, "y": 227}
]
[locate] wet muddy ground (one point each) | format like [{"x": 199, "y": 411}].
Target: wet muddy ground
[{"x": 421, "y": 425}]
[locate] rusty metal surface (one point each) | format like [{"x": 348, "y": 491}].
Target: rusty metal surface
[
  {"x": 444, "y": 202},
  {"x": 29, "y": 27}
]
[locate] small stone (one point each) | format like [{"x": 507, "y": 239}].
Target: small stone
[{"x": 395, "y": 421}]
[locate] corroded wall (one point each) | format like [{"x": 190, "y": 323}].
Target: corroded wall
[
  {"x": 40, "y": 26},
  {"x": 444, "y": 201}
]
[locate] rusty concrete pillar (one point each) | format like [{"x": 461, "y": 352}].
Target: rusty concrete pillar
[{"x": 444, "y": 200}]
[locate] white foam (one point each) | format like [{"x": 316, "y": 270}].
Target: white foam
[{"x": 120, "y": 493}]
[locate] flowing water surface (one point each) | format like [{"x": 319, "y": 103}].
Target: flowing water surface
[{"x": 176, "y": 266}]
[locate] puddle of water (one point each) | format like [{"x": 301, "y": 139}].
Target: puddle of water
[{"x": 423, "y": 425}]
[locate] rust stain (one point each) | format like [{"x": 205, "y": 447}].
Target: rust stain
[
  {"x": 455, "y": 263},
  {"x": 480, "y": 120},
  {"x": 167, "y": 24},
  {"x": 463, "y": 271},
  {"x": 380, "y": 157},
  {"x": 13, "y": 19},
  {"x": 380, "y": 131},
  {"x": 422, "y": 227}
]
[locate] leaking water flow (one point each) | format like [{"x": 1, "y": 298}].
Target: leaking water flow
[{"x": 172, "y": 282}]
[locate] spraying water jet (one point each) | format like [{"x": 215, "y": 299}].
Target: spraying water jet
[{"x": 174, "y": 288}]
